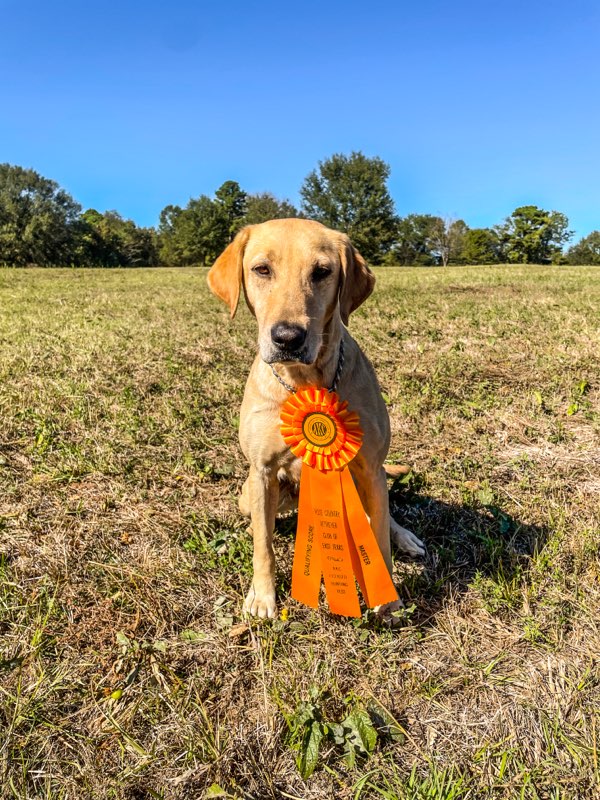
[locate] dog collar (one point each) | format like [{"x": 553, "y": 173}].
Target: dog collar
[{"x": 336, "y": 378}]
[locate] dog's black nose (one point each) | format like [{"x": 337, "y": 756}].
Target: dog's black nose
[{"x": 288, "y": 336}]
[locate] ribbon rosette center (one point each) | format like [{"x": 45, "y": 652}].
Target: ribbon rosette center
[{"x": 334, "y": 539}]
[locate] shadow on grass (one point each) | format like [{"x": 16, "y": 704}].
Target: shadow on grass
[{"x": 467, "y": 544}]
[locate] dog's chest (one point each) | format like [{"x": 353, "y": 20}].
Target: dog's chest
[{"x": 260, "y": 437}]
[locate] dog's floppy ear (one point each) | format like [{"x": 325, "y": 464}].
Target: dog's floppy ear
[
  {"x": 356, "y": 281},
  {"x": 225, "y": 276}
]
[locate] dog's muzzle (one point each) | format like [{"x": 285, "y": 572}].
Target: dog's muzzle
[{"x": 288, "y": 340}]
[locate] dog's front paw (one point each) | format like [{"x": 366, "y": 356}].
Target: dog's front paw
[
  {"x": 385, "y": 613},
  {"x": 260, "y": 603},
  {"x": 406, "y": 540}
]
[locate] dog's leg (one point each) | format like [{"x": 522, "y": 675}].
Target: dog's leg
[
  {"x": 373, "y": 492},
  {"x": 288, "y": 498},
  {"x": 263, "y": 491},
  {"x": 405, "y": 540},
  {"x": 244, "y": 499}
]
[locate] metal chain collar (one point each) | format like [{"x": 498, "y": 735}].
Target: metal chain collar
[{"x": 336, "y": 378}]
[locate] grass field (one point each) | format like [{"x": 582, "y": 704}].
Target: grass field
[{"x": 125, "y": 669}]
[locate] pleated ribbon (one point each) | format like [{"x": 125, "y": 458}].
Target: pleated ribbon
[{"x": 334, "y": 539}]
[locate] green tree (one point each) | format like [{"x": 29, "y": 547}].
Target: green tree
[
  {"x": 413, "y": 241},
  {"x": 96, "y": 244},
  {"x": 195, "y": 234},
  {"x": 586, "y": 251},
  {"x": 230, "y": 201},
  {"x": 481, "y": 246},
  {"x": 170, "y": 241},
  {"x": 38, "y": 219},
  {"x": 108, "y": 240},
  {"x": 139, "y": 246},
  {"x": 350, "y": 194},
  {"x": 533, "y": 236},
  {"x": 265, "y": 206},
  {"x": 445, "y": 240},
  {"x": 209, "y": 230}
]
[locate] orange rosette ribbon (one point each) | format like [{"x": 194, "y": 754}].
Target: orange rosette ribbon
[
  {"x": 334, "y": 539},
  {"x": 319, "y": 429}
]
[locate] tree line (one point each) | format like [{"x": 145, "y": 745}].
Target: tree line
[{"x": 41, "y": 224}]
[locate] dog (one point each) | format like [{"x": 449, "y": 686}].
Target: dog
[{"x": 301, "y": 281}]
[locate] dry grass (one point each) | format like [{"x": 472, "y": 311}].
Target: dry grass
[{"x": 124, "y": 672}]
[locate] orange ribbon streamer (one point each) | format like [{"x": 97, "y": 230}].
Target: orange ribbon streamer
[{"x": 334, "y": 539}]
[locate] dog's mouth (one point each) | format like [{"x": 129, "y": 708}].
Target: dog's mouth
[{"x": 289, "y": 357}]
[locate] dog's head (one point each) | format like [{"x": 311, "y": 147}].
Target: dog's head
[{"x": 297, "y": 274}]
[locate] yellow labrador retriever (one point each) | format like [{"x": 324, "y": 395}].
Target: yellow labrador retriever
[{"x": 302, "y": 281}]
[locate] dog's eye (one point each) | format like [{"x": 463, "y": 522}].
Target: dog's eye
[
  {"x": 320, "y": 273},
  {"x": 262, "y": 269}
]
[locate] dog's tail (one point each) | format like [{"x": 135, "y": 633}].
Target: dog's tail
[{"x": 396, "y": 470}]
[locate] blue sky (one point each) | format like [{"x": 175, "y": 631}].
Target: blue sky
[{"x": 478, "y": 107}]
